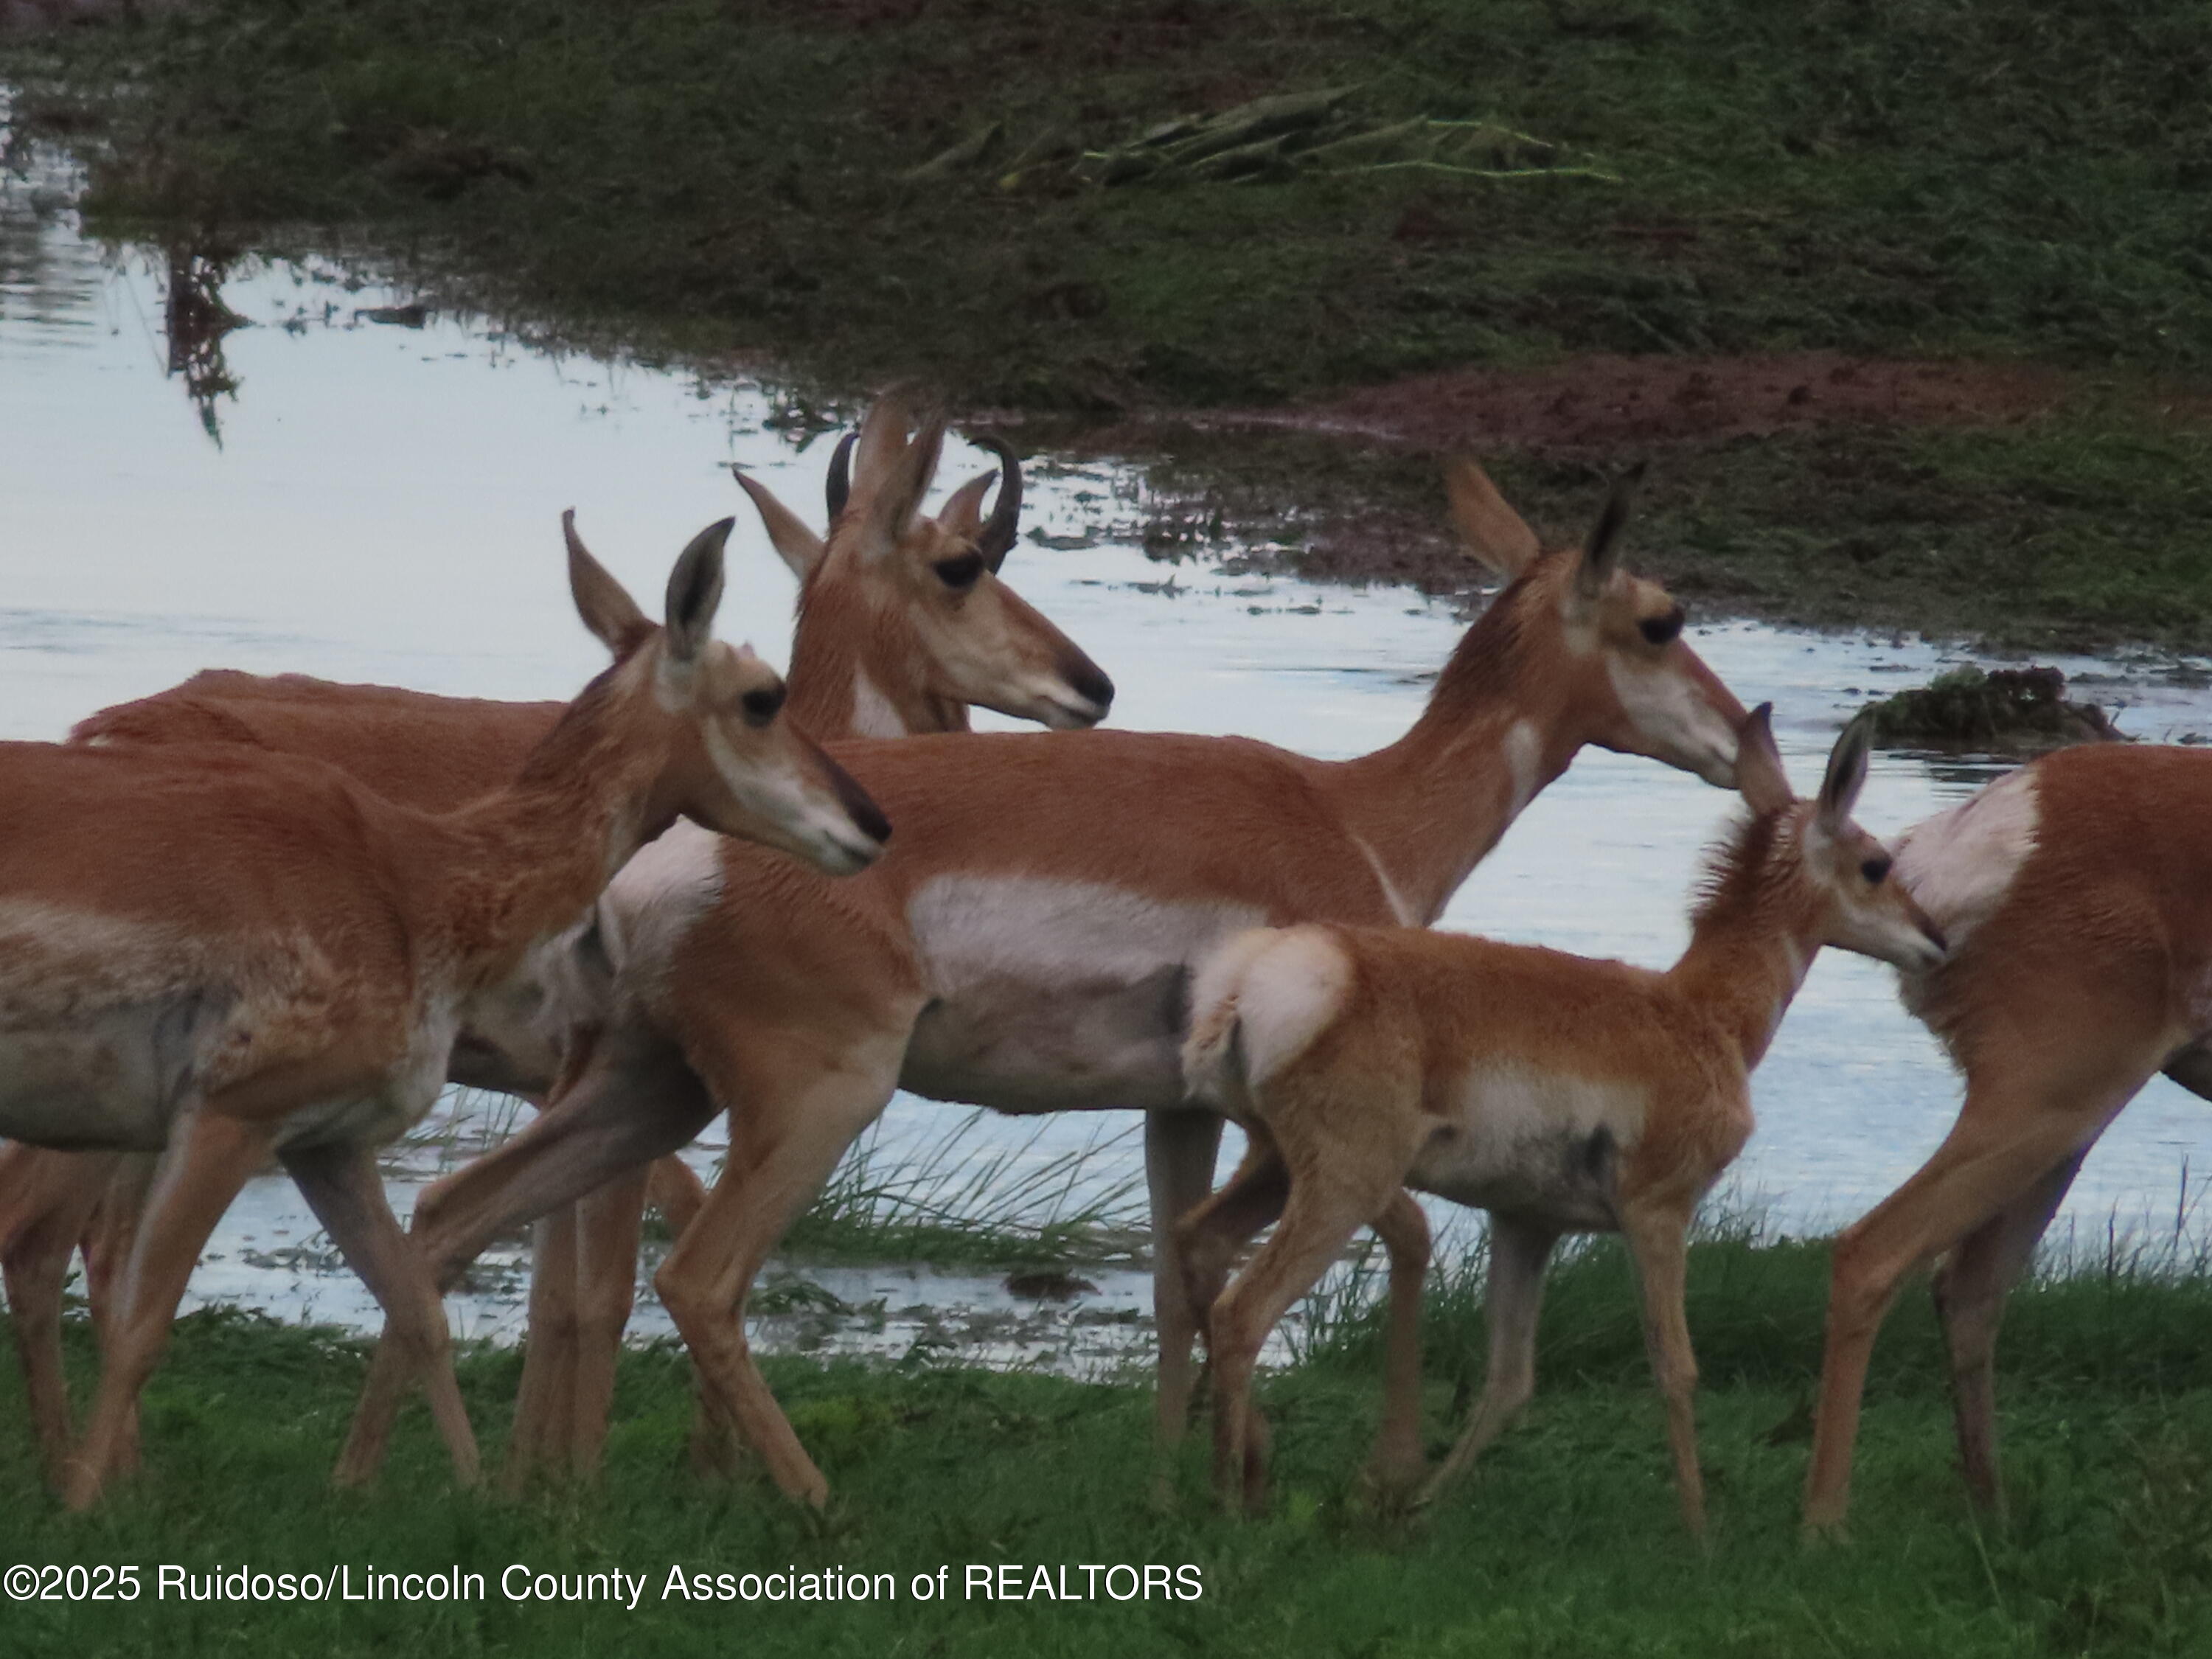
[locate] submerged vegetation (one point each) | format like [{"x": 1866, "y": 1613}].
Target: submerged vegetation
[{"x": 1564, "y": 1541}]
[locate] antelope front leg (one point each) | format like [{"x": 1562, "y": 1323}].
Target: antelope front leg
[
  {"x": 791, "y": 1121},
  {"x": 1181, "y": 1148},
  {"x": 1395, "y": 1466},
  {"x": 1971, "y": 1285},
  {"x": 209, "y": 1156},
  {"x": 1513, "y": 1297},
  {"x": 342, "y": 1186},
  {"x": 631, "y": 1100},
  {"x": 1658, "y": 1243},
  {"x": 544, "y": 1401},
  {"x": 46, "y": 1198},
  {"x": 608, "y": 1231}
]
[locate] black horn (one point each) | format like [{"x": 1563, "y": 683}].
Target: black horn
[
  {"x": 839, "y": 489},
  {"x": 996, "y": 538}
]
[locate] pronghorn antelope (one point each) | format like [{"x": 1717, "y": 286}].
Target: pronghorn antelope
[
  {"x": 1028, "y": 944},
  {"x": 2077, "y": 896},
  {"x": 919, "y": 632},
  {"x": 258, "y": 955},
  {"x": 1561, "y": 1094},
  {"x": 903, "y": 624}
]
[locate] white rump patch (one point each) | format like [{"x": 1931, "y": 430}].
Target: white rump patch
[
  {"x": 1287, "y": 994},
  {"x": 655, "y": 898},
  {"x": 1961, "y": 864}
]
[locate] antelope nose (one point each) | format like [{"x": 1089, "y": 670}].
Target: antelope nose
[
  {"x": 1090, "y": 681},
  {"x": 859, "y": 806}
]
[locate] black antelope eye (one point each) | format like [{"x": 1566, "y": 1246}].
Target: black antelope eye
[
  {"x": 1663, "y": 630},
  {"x": 959, "y": 574},
  {"x": 1875, "y": 870},
  {"x": 762, "y": 704}
]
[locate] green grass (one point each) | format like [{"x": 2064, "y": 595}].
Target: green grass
[
  {"x": 959, "y": 1205},
  {"x": 1563, "y": 1542}
]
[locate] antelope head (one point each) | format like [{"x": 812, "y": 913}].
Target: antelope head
[
  {"x": 1616, "y": 638},
  {"x": 1824, "y": 862},
  {"x": 734, "y": 762},
  {"x": 922, "y": 595}
]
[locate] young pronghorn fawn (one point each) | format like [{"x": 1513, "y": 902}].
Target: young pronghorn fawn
[
  {"x": 1028, "y": 944},
  {"x": 1561, "y": 1094},
  {"x": 2077, "y": 896},
  {"x": 258, "y": 956},
  {"x": 917, "y": 632}
]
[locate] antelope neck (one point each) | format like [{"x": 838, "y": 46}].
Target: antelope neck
[
  {"x": 1432, "y": 805},
  {"x": 527, "y": 861},
  {"x": 1743, "y": 967}
]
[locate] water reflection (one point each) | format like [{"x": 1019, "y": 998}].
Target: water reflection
[{"x": 197, "y": 321}]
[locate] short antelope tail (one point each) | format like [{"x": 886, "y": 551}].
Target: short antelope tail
[{"x": 1214, "y": 1060}]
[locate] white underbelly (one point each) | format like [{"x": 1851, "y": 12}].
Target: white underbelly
[
  {"x": 1056, "y": 996},
  {"x": 115, "y": 1079},
  {"x": 1530, "y": 1145}
]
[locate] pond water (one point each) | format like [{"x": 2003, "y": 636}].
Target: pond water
[{"x": 348, "y": 486}]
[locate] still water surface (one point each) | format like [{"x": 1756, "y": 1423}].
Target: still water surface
[{"x": 340, "y": 493}]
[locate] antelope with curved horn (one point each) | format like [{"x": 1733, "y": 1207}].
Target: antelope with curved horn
[
  {"x": 2078, "y": 893},
  {"x": 1561, "y": 1094},
  {"x": 1028, "y": 944},
  {"x": 258, "y": 955},
  {"x": 436, "y": 753},
  {"x": 903, "y": 624}
]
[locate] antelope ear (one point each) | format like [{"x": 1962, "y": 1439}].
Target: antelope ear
[
  {"x": 695, "y": 592},
  {"x": 1497, "y": 536},
  {"x": 962, "y": 515},
  {"x": 1601, "y": 552},
  {"x": 794, "y": 544},
  {"x": 892, "y": 500},
  {"x": 603, "y": 604},
  {"x": 1758, "y": 775},
  {"x": 882, "y": 440},
  {"x": 1847, "y": 771}
]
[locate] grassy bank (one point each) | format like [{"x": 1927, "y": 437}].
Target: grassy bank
[
  {"x": 734, "y": 184},
  {"x": 2081, "y": 531},
  {"x": 1563, "y": 1543},
  {"x": 1942, "y": 176}
]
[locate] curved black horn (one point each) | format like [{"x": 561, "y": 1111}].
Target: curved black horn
[
  {"x": 839, "y": 489},
  {"x": 996, "y": 538}
]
